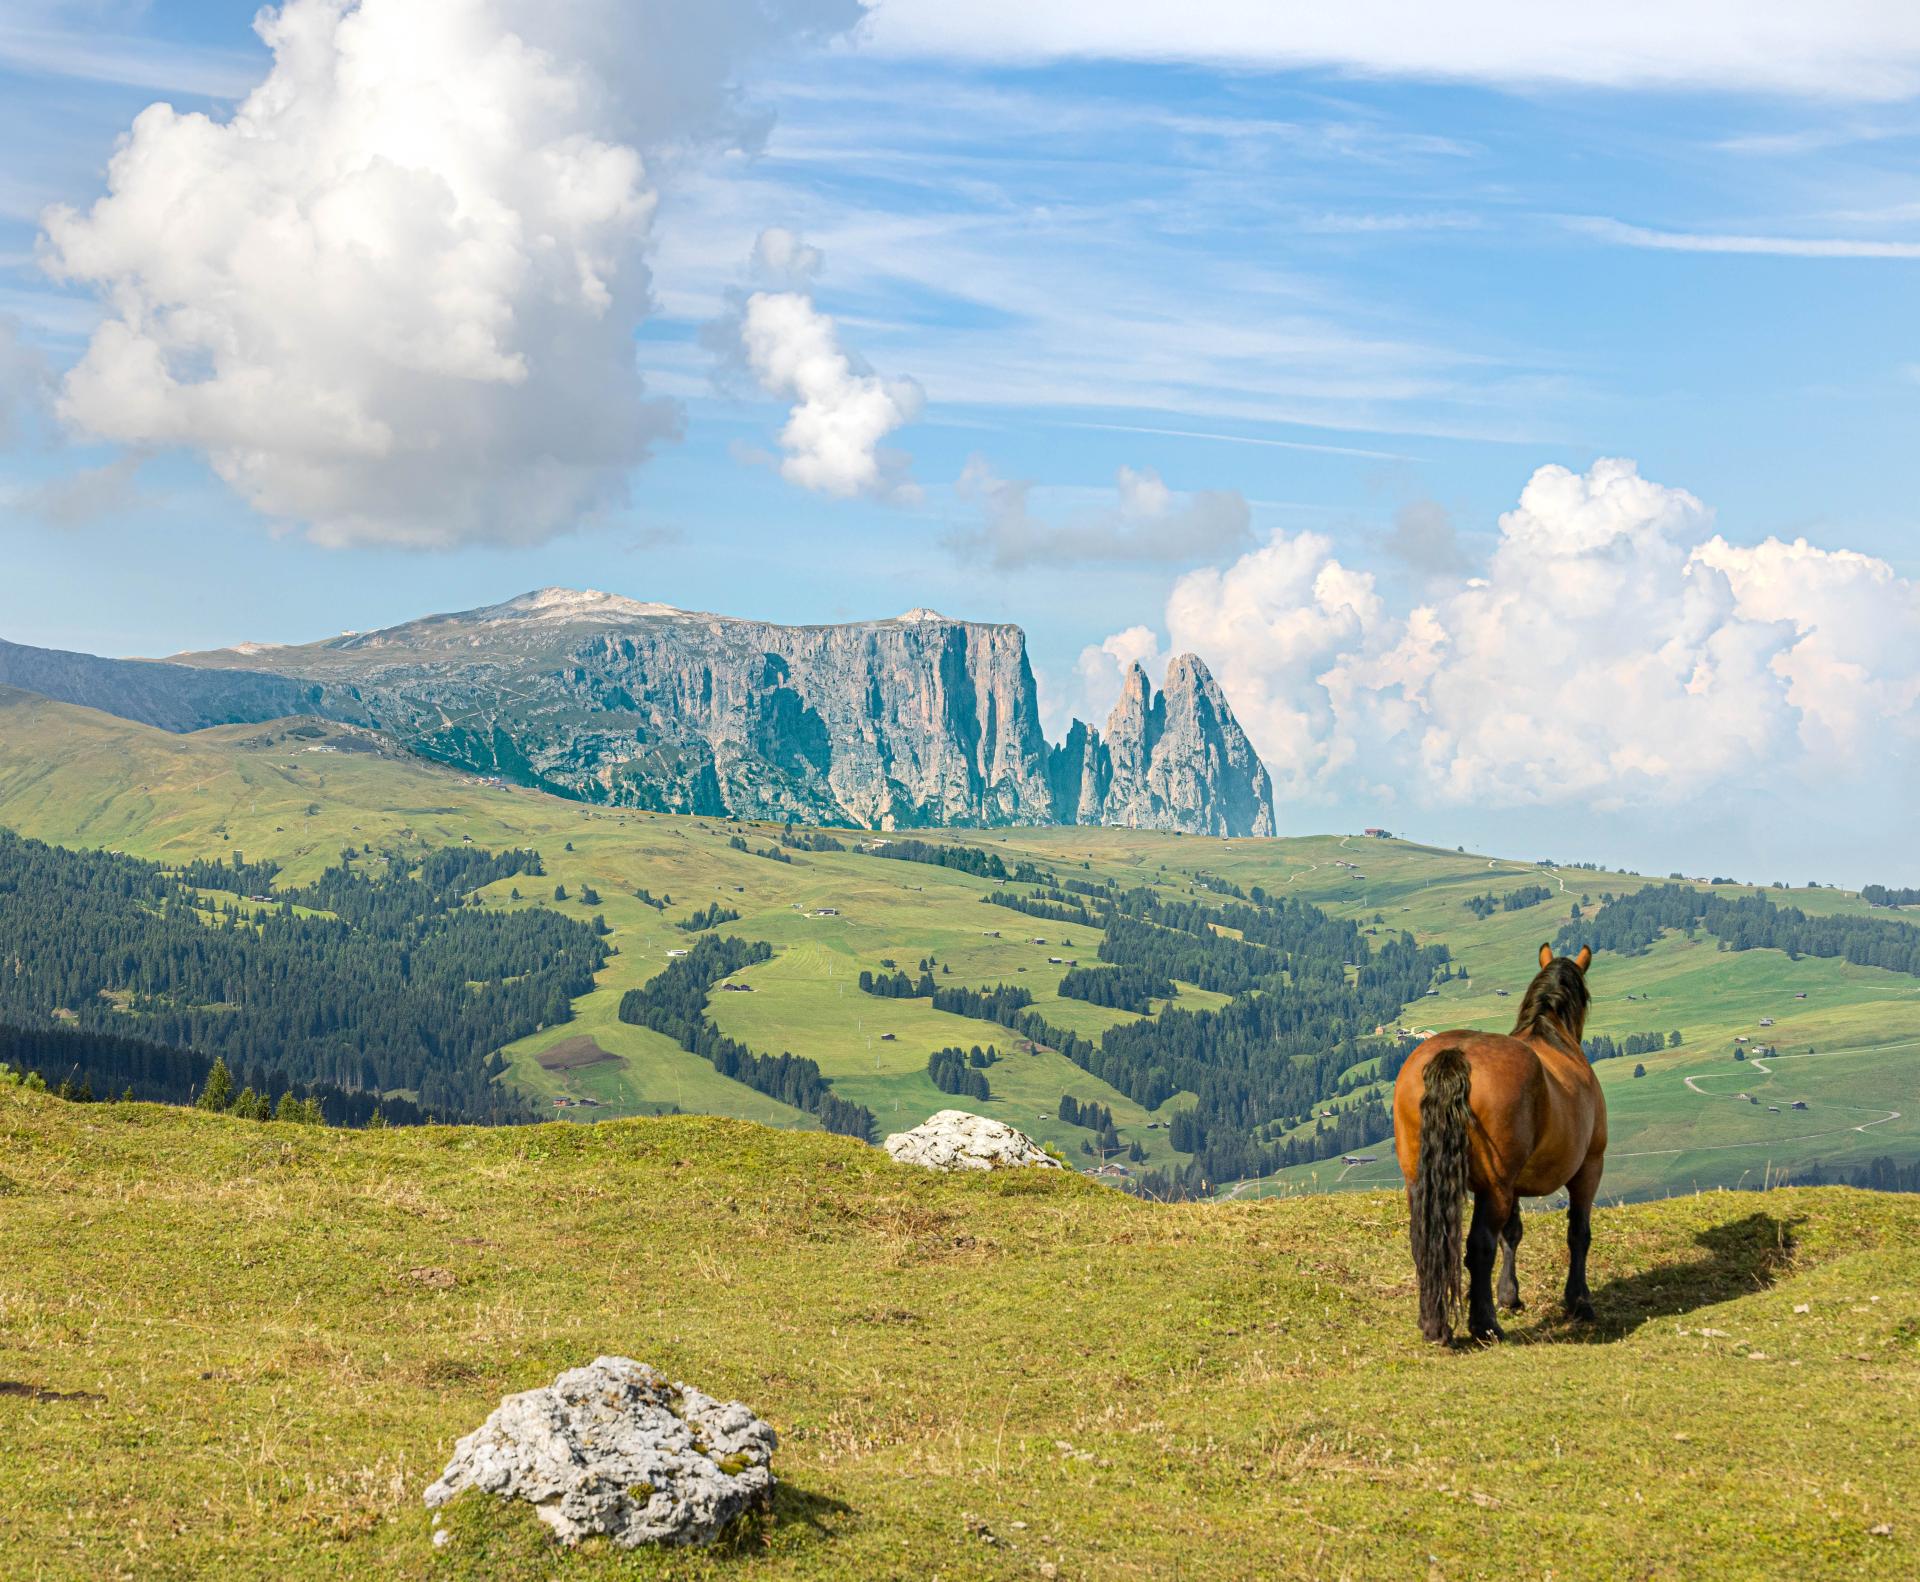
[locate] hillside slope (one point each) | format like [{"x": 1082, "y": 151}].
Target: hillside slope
[
  {"x": 258, "y": 1342},
  {"x": 300, "y": 793}
]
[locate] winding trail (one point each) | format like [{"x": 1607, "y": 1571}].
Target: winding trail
[{"x": 1692, "y": 1084}]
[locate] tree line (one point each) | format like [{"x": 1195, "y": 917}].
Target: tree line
[
  {"x": 963, "y": 859},
  {"x": 392, "y": 977},
  {"x": 1130, "y": 988},
  {"x": 1598, "y": 1046},
  {"x": 1880, "y": 895},
  {"x": 84, "y": 1065},
  {"x": 1631, "y": 923},
  {"x": 1519, "y": 900},
  {"x": 949, "y": 1071}
]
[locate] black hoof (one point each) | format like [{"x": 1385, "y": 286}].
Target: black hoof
[
  {"x": 1487, "y": 1334},
  {"x": 1580, "y": 1310},
  {"x": 1515, "y": 1306}
]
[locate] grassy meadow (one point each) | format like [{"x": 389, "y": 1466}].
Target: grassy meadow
[
  {"x": 77, "y": 777},
  {"x": 242, "y": 1349}
]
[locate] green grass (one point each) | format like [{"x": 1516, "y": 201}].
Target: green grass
[
  {"x": 270, "y": 1336},
  {"x": 74, "y": 776}
]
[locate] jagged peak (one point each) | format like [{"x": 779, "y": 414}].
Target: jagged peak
[
  {"x": 922, "y": 613},
  {"x": 1187, "y": 670}
]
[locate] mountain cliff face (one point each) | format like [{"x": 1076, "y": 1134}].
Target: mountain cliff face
[{"x": 892, "y": 724}]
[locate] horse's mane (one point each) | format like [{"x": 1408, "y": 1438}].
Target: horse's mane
[{"x": 1558, "y": 995}]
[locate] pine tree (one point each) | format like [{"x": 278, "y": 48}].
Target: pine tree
[{"x": 218, "y": 1093}]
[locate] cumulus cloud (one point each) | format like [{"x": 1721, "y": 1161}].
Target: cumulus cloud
[
  {"x": 1147, "y": 523},
  {"x": 1617, "y": 652},
  {"x": 1425, "y": 539},
  {"x": 1103, "y": 666},
  {"x": 842, "y": 410},
  {"x": 394, "y": 297}
]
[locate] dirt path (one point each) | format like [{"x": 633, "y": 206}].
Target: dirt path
[{"x": 1881, "y": 1117}]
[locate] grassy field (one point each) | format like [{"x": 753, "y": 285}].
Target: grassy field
[
  {"x": 77, "y": 777},
  {"x": 242, "y": 1350}
]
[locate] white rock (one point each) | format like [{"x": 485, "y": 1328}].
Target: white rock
[
  {"x": 955, "y": 1140},
  {"x": 616, "y": 1449}
]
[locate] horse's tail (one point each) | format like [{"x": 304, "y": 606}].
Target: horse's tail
[{"x": 1439, "y": 1183}]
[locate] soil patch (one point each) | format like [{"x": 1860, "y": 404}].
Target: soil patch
[{"x": 573, "y": 1054}]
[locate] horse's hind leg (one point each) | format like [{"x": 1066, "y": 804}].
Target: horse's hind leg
[
  {"x": 1580, "y": 1194},
  {"x": 1509, "y": 1291},
  {"x": 1483, "y": 1238}
]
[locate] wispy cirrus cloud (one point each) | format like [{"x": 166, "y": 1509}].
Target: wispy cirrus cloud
[
  {"x": 1860, "y": 52},
  {"x": 85, "y": 52},
  {"x": 1624, "y": 235}
]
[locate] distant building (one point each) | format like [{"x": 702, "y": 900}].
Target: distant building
[
  {"x": 1799, "y": 1104},
  {"x": 1379, "y": 834},
  {"x": 1359, "y": 1159}
]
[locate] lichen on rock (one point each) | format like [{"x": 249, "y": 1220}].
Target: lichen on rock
[{"x": 616, "y": 1449}]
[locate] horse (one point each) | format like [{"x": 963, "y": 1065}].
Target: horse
[{"x": 1505, "y": 1116}]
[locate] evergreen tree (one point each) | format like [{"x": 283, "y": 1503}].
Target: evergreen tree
[{"x": 218, "y": 1093}]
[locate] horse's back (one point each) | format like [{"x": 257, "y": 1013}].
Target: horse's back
[{"x": 1509, "y": 1093}]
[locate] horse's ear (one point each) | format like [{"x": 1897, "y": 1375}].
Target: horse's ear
[
  {"x": 1581, "y": 960},
  {"x": 1546, "y": 955}
]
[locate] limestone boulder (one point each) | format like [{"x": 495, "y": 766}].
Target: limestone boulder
[
  {"x": 955, "y": 1140},
  {"x": 615, "y": 1449}
]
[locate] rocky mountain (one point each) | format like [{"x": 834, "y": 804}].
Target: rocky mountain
[
  {"x": 920, "y": 720},
  {"x": 170, "y": 696}
]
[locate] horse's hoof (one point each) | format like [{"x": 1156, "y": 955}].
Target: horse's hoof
[
  {"x": 1515, "y": 1306},
  {"x": 1581, "y": 1311},
  {"x": 1439, "y": 1336},
  {"x": 1487, "y": 1334}
]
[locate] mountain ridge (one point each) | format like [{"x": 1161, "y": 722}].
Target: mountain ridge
[{"x": 918, "y": 720}]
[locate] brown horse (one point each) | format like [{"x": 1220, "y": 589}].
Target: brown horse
[{"x": 1505, "y": 1116}]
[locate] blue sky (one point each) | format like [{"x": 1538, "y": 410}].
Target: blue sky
[{"x": 1335, "y": 294}]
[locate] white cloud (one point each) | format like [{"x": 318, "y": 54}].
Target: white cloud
[
  {"x": 842, "y": 411},
  {"x": 1625, "y": 235},
  {"x": 1101, "y": 668},
  {"x": 1616, "y": 653},
  {"x": 78, "y": 499},
  {"x": 394, "y": 297},
  {"x": 1147, "y": 523},
  {"x": 1852, "y": 667},
  {"x": 782, "y": 260},
  {"x": 1860, "y": 51}
]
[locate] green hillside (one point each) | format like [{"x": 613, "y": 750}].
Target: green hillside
[
  {"x": 243, "y": 1349},
  {"x": 299, "y": 793}
]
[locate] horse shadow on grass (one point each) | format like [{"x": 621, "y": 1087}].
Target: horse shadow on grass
[{"x": 1738, "y": 1258}]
